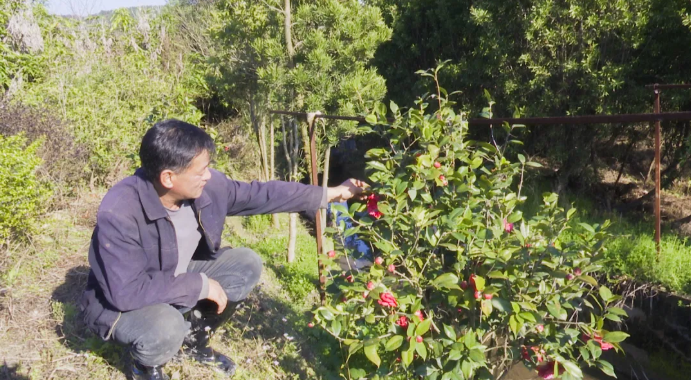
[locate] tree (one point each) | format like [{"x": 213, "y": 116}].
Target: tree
[
  {"x": 545, "y": 58},
  {"x": 317, "y": 62}
]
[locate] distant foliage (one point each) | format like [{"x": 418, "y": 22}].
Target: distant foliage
[
  {"x": 22, "y": 195},
  {"x": 107, "y": 78}
]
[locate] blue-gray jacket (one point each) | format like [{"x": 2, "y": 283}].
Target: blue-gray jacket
[{"x": 134, "y": 253}]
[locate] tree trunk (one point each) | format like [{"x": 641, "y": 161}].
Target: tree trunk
[
  {"x": 272, "y": 169},
  {"x": 259, "y": 133},
  {"x": 292, "y": 237},
  {"x": 288, "y": 29}
]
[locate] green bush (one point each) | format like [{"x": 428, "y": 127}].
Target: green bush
[
  {"x": 22, "y": 195},
  {"x": 464, "y": 284}
]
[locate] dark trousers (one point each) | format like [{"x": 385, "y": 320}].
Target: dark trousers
[{"x": 155, "y": 333}]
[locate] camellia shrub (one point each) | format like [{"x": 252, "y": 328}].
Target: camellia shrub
[{"x": 464, "y": 285}]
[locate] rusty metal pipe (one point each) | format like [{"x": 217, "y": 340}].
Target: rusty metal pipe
[
  {"x": 658, "y": 217},
  {"x": 589, "y": 119}
]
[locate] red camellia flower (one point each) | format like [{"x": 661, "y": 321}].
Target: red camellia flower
[
  {"x": 392, "y": 268},
  {"x": 370, "y": 285},
  {"x": 570, "y": 277},
  {"x": 437, "y": 165},
  {"x": 418, "y": 339},
  {"x": 508, "y": 227},
  {"x": 547, "y": 371},
  {"x": 488, "y": 296},
  {"x": 577, "y": 271},
  {"x": 420, "y": 315},
  {"x": 379, "y": 261},
  {"x": 387, "y": 299},
  {"x": 540, "y": 328},
  {"x": 331, "y": 254},
  {"x": 604, "y": 345},
  {"x": 443, "y": 180},
  {"x": 402, "y": 321},
  {"x": 350, "y": 278},
  {"x": 226, "y": 148},
  {"x": 372, "y": 208},
  {"x": 472, "y": 280},
  {"x": 464, "y": 284},
  {"x": 538, "y": 353},
  {"x": 478, "y": 294},
  {"x": 310, "y": 325},
  {"x": 524, "y": 353}
]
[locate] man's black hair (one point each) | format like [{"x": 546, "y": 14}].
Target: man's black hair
[{"x": 172, "y": 144}]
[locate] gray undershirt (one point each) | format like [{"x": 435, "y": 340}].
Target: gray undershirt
[{"x": 188, "y": 234}]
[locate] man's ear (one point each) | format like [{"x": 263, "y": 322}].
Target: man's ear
[{"x": 166, "y": 178}]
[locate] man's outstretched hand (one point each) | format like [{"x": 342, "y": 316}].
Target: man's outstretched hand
[{"x": 351, "y": 188}]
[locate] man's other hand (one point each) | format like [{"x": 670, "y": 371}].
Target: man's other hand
[
  {"x": 349, "y": 189},
  {"x": 218, "y": 295}
]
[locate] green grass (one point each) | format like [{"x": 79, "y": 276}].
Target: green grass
[{"x": 632, "y": 252}]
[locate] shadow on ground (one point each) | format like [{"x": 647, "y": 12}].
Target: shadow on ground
[
  {"x": 77, "y": 337},
  {"x": 8, "y": 372},
  {"x": 297, "y": 347}
]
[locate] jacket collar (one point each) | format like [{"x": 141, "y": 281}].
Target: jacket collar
[{"x": 151, "y": 203}]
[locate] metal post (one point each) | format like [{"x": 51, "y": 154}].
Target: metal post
[
  {"x": 311, "y": 118},
  {"x": 657, "y": 172}
]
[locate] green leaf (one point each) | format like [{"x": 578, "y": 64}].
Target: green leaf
[
  {"x": 336, "y": 327},
  {"x": 570, "y": 213},
  {"x": 572, "y": 369},
  {"x": 372, "y": 355},
  {"x": 371, "y": 119},
  {"x": 587, "y": 227},
  {"x": 377, "y": 165},
  {"x": 421, "y": 350},
  {"x": 606, "y": 367},
  {"x": 521, "y": 158},
  {"x": 412, "y": 193},
  {"x": 446, "y": 280},
  {"x": 423, "y": 327},
  {"x": 393, "y": 107},
  {"x": 394, "y": 343},
  {"x": 328, "y": 315},
  {"x": 515, "y": 217},
  {"x": 618, "y": 311},
  {"x": 353, "y": 348},
  {"x": 455, "y": 355},
  {"x": 588, "y": 279},
  {"x": 514, "y": 325},
  {"x": 501, "y": 304},
  {"x": 486, "y": 306},
  {"x": 605, "y": 293},
  {"x": 449, "y": 331},
  {"x": 407, "y": 357},
  {"x": 479, "y": 283},
  {"x": 477, "y": 355},
  {"x": 615, "y": 337}
]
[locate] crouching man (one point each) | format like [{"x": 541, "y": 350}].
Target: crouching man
[{"x": 160, "y": 281}]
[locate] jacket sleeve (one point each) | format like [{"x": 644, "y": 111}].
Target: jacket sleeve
[
  {"x": 119, "y": 263},
  {"x": 273, "y": 197}
]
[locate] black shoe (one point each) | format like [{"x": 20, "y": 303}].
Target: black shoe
[
  {"x": 196, "y": 343},
  {"x": 141, "y": 372},
  {"x": 206, "y": 355}
]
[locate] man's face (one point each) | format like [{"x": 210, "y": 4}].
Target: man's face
[{"x": 189, "y": 183}]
